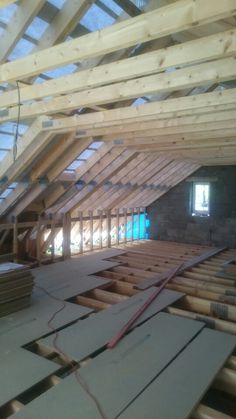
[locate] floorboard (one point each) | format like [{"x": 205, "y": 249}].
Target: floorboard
[
  {"x": 20, "y": 370},
  {"x": 116, "y": 376},
  {"x": 83, "y": 338},
  {"x": 178, "y": 390}
]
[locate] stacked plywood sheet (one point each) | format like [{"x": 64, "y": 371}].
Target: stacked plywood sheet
[{"x": 16, "y": 283}]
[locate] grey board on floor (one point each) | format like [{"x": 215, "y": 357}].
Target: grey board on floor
[
  {"x": 83, "y": 338},
  {"x": 21, "y": 370},
  {"x": 30, "y": 324},
  {"x": 70, "y": 286},
  {"x": 116, "y": 376},
  {"x": 179, "y": 389},
  {"x": 64, "y": 401},
  {"x": 82, "y": 266}
]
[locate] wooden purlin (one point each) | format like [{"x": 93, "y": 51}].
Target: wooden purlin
[
  {"x": 196, "y": 113},
  {"x": 198, "y": 75},
  {"x": 207, "y": 48},
  {"x": 177, "y": 17},
  {"x": 207, "y": 121},
  {"x": 169, "y": 108}
]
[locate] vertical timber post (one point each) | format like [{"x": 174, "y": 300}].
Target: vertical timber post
[
  {"x": 109, "y": 228},
  {"x": 117, "y": 225},
  {"x": 15, "y": 239},
  {"x": 100, "y": 228},
  {"x": 125, "y": 222},
  {"x": 66, "y": 233},
  {"x": 53, "y": 236},
  {"x": 81, "y": 232},
  {"x": 91, "y": 229},
  {"x": 138, "y": 222},
  {"x": 38, "y": 240},
  {"x": 132, "y": 224},
  {"x": 144, "y": 221}
]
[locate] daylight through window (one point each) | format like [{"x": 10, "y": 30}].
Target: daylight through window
[{"x": 201, "y": 193}]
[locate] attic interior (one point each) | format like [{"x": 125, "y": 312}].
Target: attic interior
[{"x": 118, "y": 209}]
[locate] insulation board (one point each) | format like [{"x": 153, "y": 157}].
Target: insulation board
[
  {"x": 177, "y": 391},
  {"x": 83, "y": 338},
  {"x": 116, "y": 376}
]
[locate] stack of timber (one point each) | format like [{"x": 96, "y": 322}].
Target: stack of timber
[{"x": 16, "y": 283}]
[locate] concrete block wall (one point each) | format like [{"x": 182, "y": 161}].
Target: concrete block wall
[{"x": 171, "y": 218}]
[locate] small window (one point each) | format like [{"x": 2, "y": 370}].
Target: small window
[{"x": 200, "y": 201}]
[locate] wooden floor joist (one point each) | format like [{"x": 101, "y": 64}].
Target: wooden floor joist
[
  {"x": 216, "y": 309},
  {"x": 119, "y": 275}
]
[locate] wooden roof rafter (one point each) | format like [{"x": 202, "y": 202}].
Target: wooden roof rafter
[{"x": 184, "y": 124}]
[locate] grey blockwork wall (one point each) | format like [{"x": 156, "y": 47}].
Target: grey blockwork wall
[{"x": 171, "y": 219}]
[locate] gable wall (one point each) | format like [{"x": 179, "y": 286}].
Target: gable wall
[{"x": 170, "y": 216}]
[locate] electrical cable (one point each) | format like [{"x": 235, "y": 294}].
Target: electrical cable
[
  {"x": 17, "y": 123},
  {"x": 78, "y": 377}
]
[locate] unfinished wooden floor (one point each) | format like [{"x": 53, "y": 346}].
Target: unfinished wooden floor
[{"x": 53, "y": 350}]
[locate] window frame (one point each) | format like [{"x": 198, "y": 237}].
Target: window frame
[{"x": 194, "y": 212}]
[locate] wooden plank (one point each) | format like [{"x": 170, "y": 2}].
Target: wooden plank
[
  {"x": 188, "y": 77},
  {"x": 4, "y": 3},
  {"x": 205, "y": 412},
  {"x": 155, "y": 24},
  {"x": 63, "y": 23},
  {"x": 197, "y": 365},
  {"x": 150, "y": 346},
  {"x": 18, "y": 24},
  {"x": 108, "y": 223},
  {"x": 207, "y": 48},
  {"x": 189, "y": 105},
  {"x": 82, "y": 339},
  {"x": 187, "y": 265},
  {"x": 81, "y": 232}
]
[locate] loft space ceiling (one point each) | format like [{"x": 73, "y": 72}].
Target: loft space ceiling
[{"x": 119, "y": 127}]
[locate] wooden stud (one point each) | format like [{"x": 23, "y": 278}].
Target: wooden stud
[
  {"x": 117, "y": 225},
  {"x": 81, "y": 231},
  {"x": 91, "y": 229},
  {"x": 125, "y": 224},
  {"x": 108, "y": 214},
  {"x": 15, "y": 239}
]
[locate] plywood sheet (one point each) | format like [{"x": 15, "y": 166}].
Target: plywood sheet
[
  {"x": 20, "y": 370},
  {"x": 116, "y": 376},
  {"x": 82, "y": 339},
  {"x": 178, "y": 390}
]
